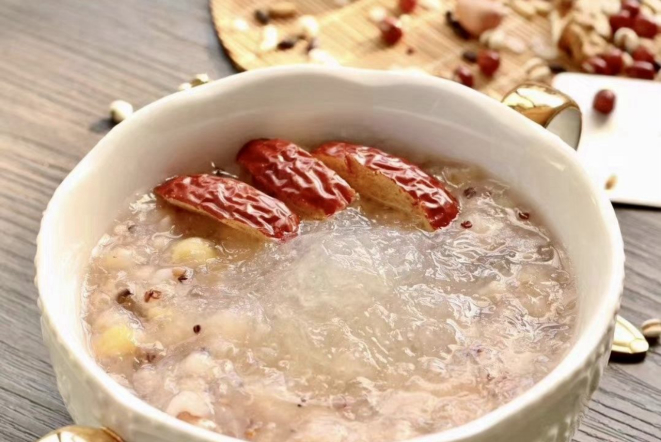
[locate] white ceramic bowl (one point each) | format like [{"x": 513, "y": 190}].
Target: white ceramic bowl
[{"x": 183, "y": 132}]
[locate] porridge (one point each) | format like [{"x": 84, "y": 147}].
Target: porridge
[{"x": 211, "y": 301}]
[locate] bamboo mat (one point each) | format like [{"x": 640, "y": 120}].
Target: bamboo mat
[{"x": 347, "y": 33}]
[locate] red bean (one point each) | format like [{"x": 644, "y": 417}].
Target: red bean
[
  {"x": 464, "y": 76},
  {"x": 262, "y": 16},
  {"x": 488, "y": 61},
  {"x": 557, "y": 68},
  {"x": 470, "y": 192},
  {"x": 641, "y": 69},
  {"x": 407, "y": 6},
  {"x": 645, "y": 27},
  {"x": 643, "y": 54},
  {"x": 595, "y": 65},
  {"x": 287, "y": 43},
  {"x": 614, "y": 61},
  {"x": 391, "y": 30},
  {"x": 631, "y": 6},
  {"x": 622, "y": 19},
  {"x": 604, "y": 101}
]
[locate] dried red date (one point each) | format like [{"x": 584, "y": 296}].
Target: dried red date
[
  {"x": 305, "y": 184},
  {"x": 233, "y": 203},
  {"x": 392, "y": 181}
]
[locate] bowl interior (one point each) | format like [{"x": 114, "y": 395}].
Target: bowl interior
[{"x": 415, "y": 116}]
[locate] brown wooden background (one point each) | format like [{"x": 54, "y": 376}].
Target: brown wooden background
[{"x": 61, "y": 63}]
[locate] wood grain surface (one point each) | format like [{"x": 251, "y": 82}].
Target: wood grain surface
[{"x": 61, "y": 63}]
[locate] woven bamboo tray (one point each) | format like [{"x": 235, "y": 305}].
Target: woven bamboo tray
[{"x": 347, "y": 33}]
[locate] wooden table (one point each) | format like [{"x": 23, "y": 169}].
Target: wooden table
[{"x": 61, "y": 63}]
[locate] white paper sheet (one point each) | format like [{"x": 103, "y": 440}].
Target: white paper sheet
[{"x": 625, "y": 144}]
